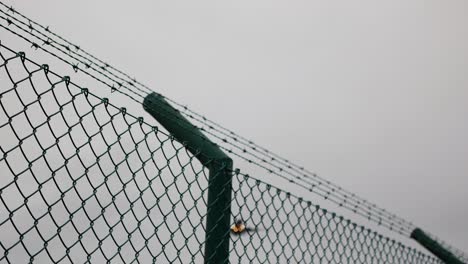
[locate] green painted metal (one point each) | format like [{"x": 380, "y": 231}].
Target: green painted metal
[
  {"x": 434, "y": 247},
  {"x": 220, "y": 174}
]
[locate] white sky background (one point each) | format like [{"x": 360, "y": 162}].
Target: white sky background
[{"x": 369, "y": 94}]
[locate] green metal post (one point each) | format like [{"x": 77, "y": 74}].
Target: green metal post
[
  {"x": 219, "y": 212},
  {"x": 434, "y": 247},
  {"x": 220, "y": 174}
]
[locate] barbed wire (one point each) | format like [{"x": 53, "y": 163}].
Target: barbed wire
[
  {"x": 88, "y": 56},
  {"x": 35, "y": 45},
  {"x": 315, "y": 188},
  {"x": 381, "y": 213},
  {"x": 151, "y": 211},
  {"x": 370, "y": 209},
  {"x": 401, "y": 226},
  {"x": 271, "y": 161}
]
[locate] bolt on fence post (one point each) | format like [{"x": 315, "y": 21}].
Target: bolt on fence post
[
  {"x": 434, "y": 247},
  {"x": 220, "y": 174}
]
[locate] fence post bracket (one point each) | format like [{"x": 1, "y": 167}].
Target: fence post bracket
[{"x": 220, "y": 174}]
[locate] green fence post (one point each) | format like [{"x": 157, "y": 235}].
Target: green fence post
[
  {"x": 434, "y": 247},
  {"x": 220, "y": 174}
]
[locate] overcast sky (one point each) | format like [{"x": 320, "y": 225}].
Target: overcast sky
[{"x": 369, "y": 94}]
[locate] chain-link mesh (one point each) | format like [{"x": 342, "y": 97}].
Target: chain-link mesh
[
  {"x": 83, "y": 181},
  {"x": 284, "y": 228},
  {"x": 104, "y": 73},
  {"x": 43, "y": 39}
]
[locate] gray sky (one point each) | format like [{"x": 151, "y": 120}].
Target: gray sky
[{"x": 369, "y": 94}]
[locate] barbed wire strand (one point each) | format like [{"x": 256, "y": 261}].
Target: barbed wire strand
[
  {"x": 360, "y": 204},
  {"x": 334, "y": 187}
]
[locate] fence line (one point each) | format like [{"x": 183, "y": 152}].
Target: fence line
[
  {"x": 88, "y": 182},
  {"x": 118, "y": 81},
  {"x": 270, "y": 162}
]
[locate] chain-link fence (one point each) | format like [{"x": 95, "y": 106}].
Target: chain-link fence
[
  {"x": 288, "y": 229},
  {"x": 246, "y": 152},
  {"x": 83, "y": 181}
]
